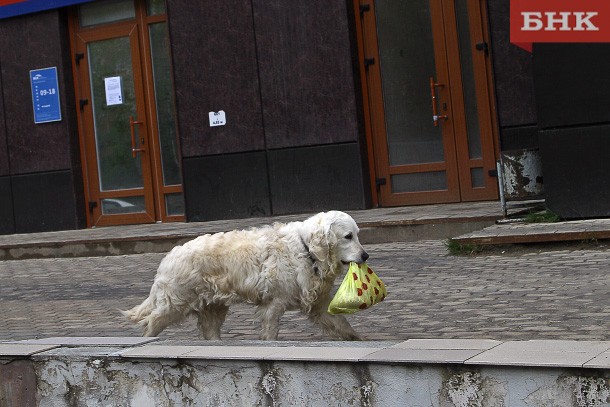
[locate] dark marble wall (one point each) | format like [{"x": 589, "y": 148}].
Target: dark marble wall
[
  {"x": 7, "y": 217},
  {"x": 4, "y": 164},
  {"x": 44, "y": 202},
  {"x": 214, "y": 61},
  {"x": 307, "y": 82},
  {"x": 576, "y": 167},
  {"x": 283, "y": 74},
  {"x": 572, "y": 84},
  {"x": 573, "y": 103},
  {"x": 226, "y": 186},
  {"x": 31, "y": 42},
  {"x": 514, "y": 84},
  {"x": 312, "y": 179},
  {"x": 42, "y": 187}
]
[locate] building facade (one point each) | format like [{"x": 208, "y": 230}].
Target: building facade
[{"x": 198, "y": 110}]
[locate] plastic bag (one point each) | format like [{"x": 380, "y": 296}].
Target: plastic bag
[{"x": 361, "y": 288}]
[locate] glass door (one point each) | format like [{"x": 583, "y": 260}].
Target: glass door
[
  {"x": 126, "y": 113},
  {"x": 419, "y": 158},
  {"x": 425, "y": 125}
]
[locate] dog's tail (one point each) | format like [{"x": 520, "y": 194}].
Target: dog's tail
[
  {"x": 141, "y": 314},
  {"x": 144, "y": 315},
  {"x": 138, "y": 313},
  {"x": 157, "y": 311}
]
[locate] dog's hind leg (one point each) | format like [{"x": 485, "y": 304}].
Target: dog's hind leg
[
  {"x": 270, "y": 315},
  {"x": 159, "y": 319},
  {"x": 210, "y": 320}
]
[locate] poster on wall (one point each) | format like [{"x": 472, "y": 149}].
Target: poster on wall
[
  {"x": 114, "y": 91},
  {"x": 45, "y": 95}
]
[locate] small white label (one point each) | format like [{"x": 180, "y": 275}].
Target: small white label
[
  {"x": 114, "y": 93},
  {"x": 218, "y": 118}
]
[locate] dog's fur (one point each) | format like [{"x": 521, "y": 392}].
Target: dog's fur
[{"x": 277, "y": 268}]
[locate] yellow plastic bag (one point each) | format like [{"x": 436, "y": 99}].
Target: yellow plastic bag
[{"x": 361, "y": 288}]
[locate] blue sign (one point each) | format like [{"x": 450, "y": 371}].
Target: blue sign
[
  {"x": 45, "y": 95},
  {"x": 11, "y": 8}
]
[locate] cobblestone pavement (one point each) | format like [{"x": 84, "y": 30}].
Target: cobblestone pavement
[{"x": 548, "y": 294}]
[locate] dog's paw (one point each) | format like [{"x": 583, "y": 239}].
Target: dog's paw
[{"x": 352, "y": 337}]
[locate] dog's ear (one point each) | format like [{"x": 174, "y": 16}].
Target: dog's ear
[
  {"x": 318, "y": 245},
  {"x": 321, "y": 241}
]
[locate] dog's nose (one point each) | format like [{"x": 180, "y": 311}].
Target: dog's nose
[{"x": 364, "y": 256}]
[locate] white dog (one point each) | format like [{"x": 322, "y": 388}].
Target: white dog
[{"x": 277, "y": 268}]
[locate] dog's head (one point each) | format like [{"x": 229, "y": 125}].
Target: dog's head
[{"x": 333, "y": 237}]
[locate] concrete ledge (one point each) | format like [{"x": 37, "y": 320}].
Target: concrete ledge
[
  {"x": 540, "y": 353},
  {"x": 467, "y": 372},
  {"x": 525, "y": 233},
  {"x": 91, "y": 243}
]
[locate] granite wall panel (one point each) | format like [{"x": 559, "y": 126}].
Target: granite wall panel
[
  {"x": 575, "y": 166},
  {"x": 30, "y": 42},
  {"x": 519, "y": 138},
  {"x": 214, "y": 61},
  {"x": 306, "y": 73},
  {"x": 311, "y": 179},
  {"x": 572, "y": 84},
  {"x": 4, "y": 163},
  {"x": 7, "y": 221},
  {"x": 226, "y": 186},
  {"x": 44, "y": 202},
  {"x": 513, "y": 73}
]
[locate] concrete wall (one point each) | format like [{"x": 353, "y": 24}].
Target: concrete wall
[{"x": 309, "y": 374}]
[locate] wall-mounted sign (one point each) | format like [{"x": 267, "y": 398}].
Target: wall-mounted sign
[
  {"x": 10, "y": 8},
  {"x": 45, "y": 95},
  {"x": 114, "y": 91},
  {"x": 217, "y": 118}
]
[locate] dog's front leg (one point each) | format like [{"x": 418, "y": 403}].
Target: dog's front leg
[
  {"x": 334, "y": 325},
  {"x": 270, "y": 315}
]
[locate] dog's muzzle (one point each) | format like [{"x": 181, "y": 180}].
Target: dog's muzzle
[{"x": 363, "y": 257}]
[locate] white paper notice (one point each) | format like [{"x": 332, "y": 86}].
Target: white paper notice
[
  {"x": 218, "y": 118},
  {"x": 114, "y": 93}
]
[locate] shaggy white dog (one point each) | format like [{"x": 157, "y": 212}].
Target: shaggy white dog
[{"x": 277, "y": 268}]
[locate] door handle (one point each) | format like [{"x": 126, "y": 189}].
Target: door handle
[
  {"x": 435, "y": 116},
  {"x": 134, "y": 150}
]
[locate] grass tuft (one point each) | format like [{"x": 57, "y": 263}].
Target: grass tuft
[
  {"x": 542, "y": 217},
  {"x": 458, "y": 249}
]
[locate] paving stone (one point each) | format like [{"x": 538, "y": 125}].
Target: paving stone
[
  {"x": 389, "y": 355},
  {"x": 448, "y": 344},
  {"x": 601, "y": 361},
  {"x": 522, "y": 294},
  {"x": 15, "y": 349},
  {"x": 231, "y": 352},
  {"x": 541, "y": 353},
  {"x": 334, "y": 354},
  {"x": 157, "y": 352}
]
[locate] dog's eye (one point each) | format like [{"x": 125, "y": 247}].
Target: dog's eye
[{"x": 349, "y": 236}]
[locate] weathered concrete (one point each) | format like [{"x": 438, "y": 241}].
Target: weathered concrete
[
  {"x": 269, "y": 376},
  {"x": 17, "y": 383}
]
